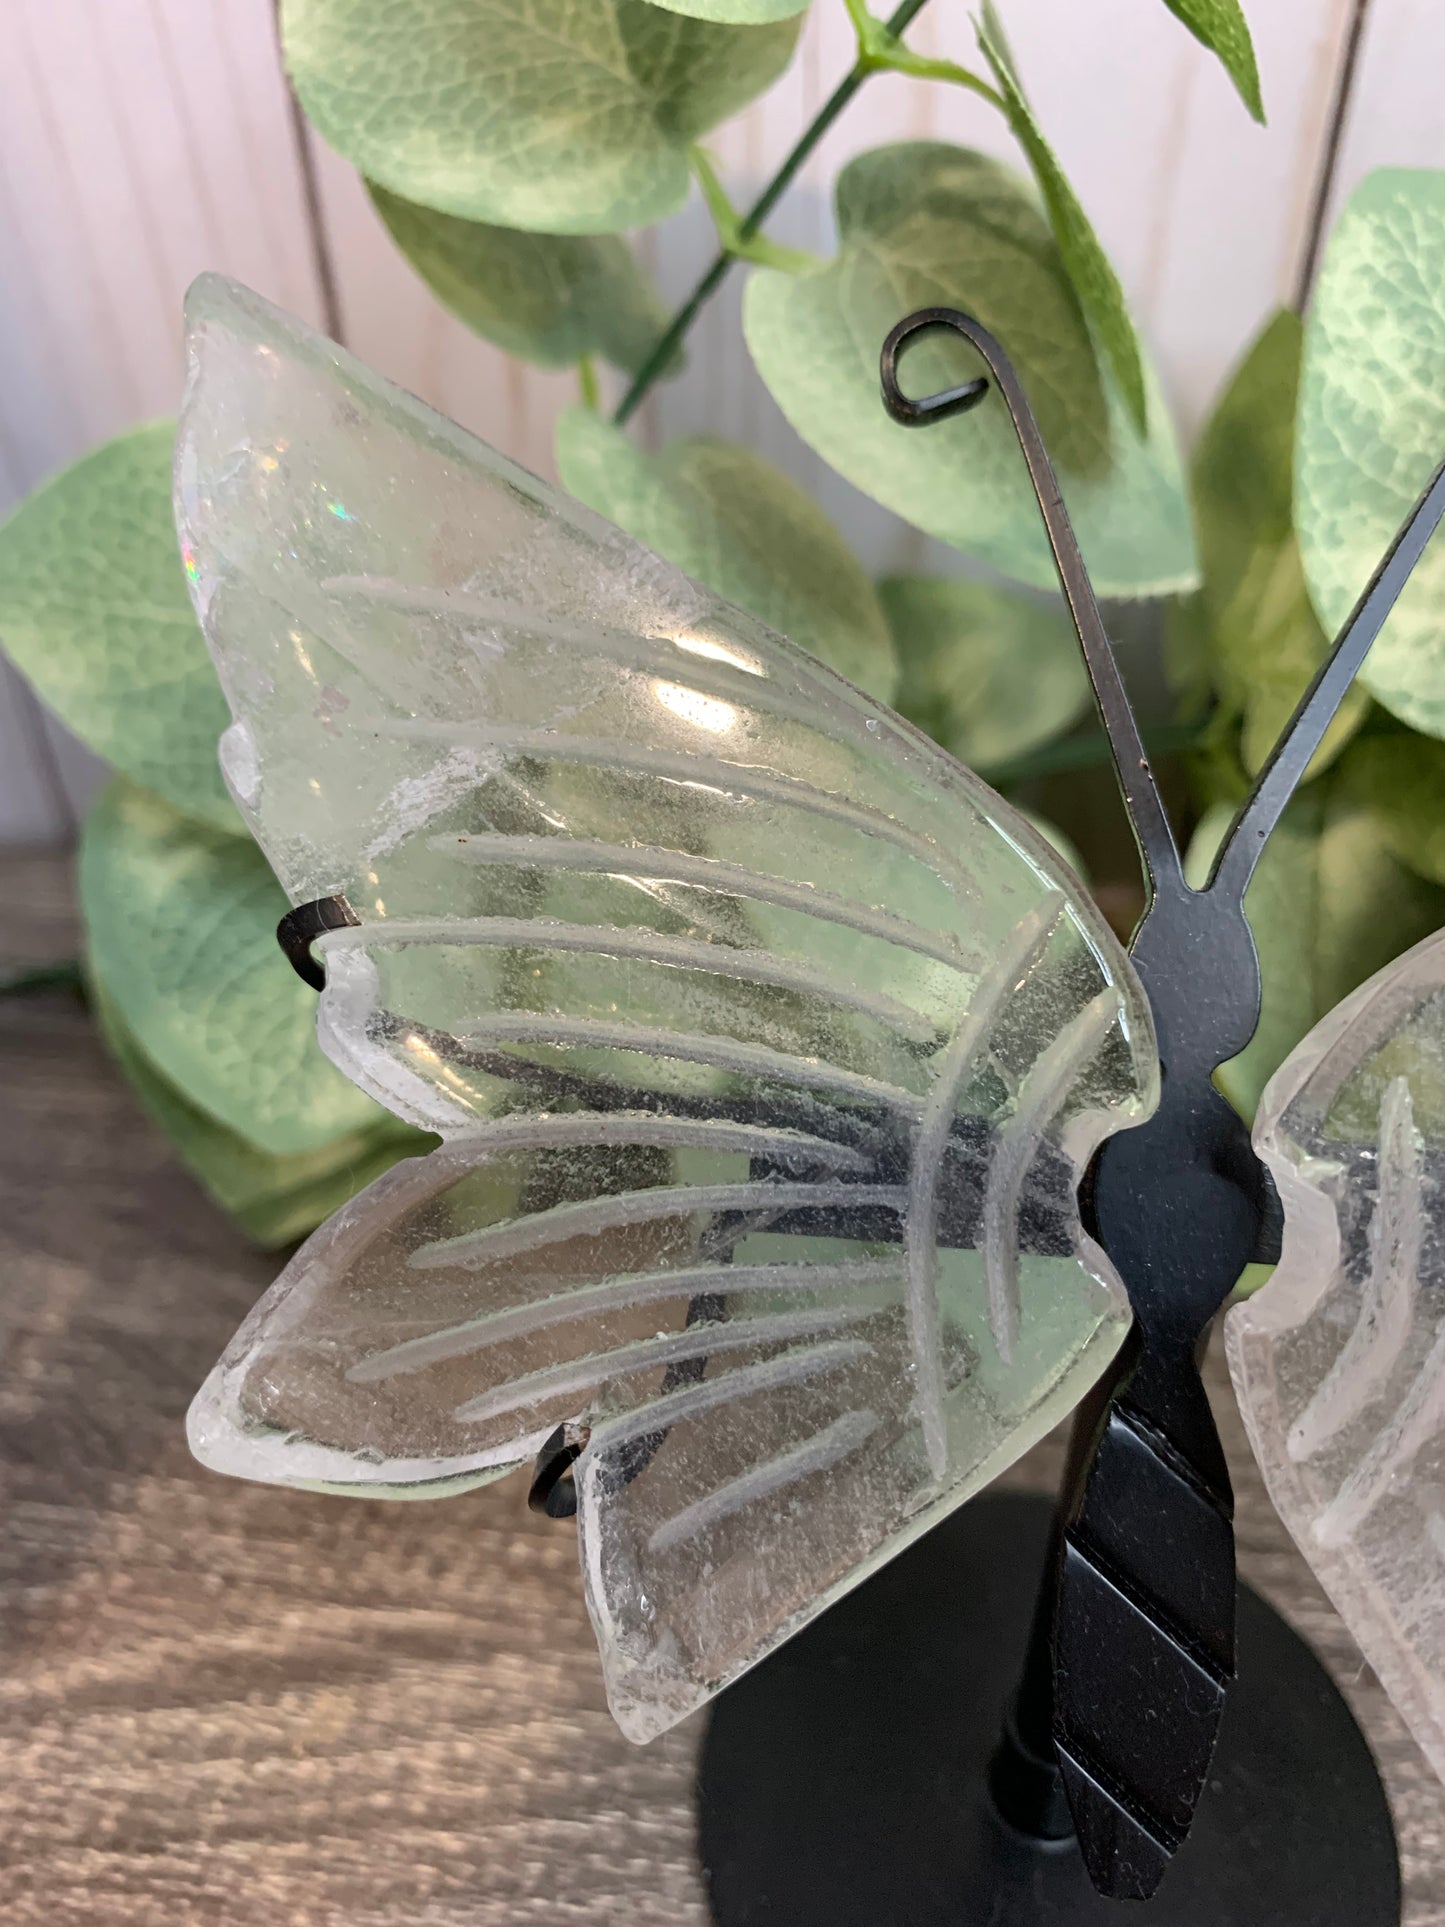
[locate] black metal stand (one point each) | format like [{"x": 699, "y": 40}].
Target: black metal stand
[{"x": 850, "y": 1781}]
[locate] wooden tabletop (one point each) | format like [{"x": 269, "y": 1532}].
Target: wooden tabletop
[{"x": 223, "y": 1703}]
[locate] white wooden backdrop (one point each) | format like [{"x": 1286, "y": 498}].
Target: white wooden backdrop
[{"x": 144, "y": 140}]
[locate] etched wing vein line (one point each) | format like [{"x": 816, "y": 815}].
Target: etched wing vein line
[
  {"x": 693, "y": 771},
  {"x": 696, "y": 1341},
  {"x": 1045, "y": 1089},
  {"x": 1025, "y": 946},
  {"x": 590, "y": 1216},
  {"x": 618, "y": 1292},
  {"x": 817, "y": 1454},
  {"x": 604, "y": 940},
  {"x": 597, "y": 1130},
  {"x": 719, "y": 1053},
  {"x": 648, "y": 655},
  {"x": 697, "y": 872},
  {"x": 1387, "y": 1308},
  {"x": 1399, "y": 1216},
  {"x": 763, "y": 1375}
]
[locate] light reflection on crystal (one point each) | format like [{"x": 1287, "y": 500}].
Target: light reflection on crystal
[{"x": 707, "y": 712}]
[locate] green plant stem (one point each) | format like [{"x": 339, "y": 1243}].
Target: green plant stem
[
  {"x": 666, "y": 347},
  {"x": 880, "y": 48},
  {"x": 756, "y": 248},
  {"x": 948, "y": 70}
]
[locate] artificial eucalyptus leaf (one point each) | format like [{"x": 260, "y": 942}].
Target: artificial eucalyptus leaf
[
  {"x": 728, "y": 517},
  {"x": 1273, "y": 643},
  {"x": 924, "y": 224},
  {"x": 1221, "y": 26},
  {"x": 989, "y": 672},
  {"x": 557, "y": 116},
  {"x": 1372, "y": 427},
  {"x": 1261, "y": 639},
  {"x": 1187, "y": 657},
  {"x": 1089, "y": 268},
  {"x": 181, "y": 922},
  {"x": 275, "y": 1200},
  {"x": 94, "y": 612},
  {"x": 1400, "y": 778},
  {"x": 1329, "y": 905},
  {"x": 1241, "y": 473},
  {"x": 548, "y": 298}
]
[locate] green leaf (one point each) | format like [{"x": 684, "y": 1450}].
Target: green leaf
[
  {"x": 988, "y": 672},
  {"x": 1372, "y": 427},
  {"x": 94, "y": 612},
  {"x": 1400, "y": 778},
  {"x": 1094, "y": 279},
  {"x": 1222, "y": 27},
  {"x": 924, "y": 224},
  {"x": 1257, "y": 627},
  {"x": 557, "y": 116},
  {"x": 1329, "y": 906},
  {"x": 548, "y": 298},
  {"x": 1187, "y": 657},
  {"x": 733, "y": 521},
  {"x": 1273, "y": 643},
  {"x": 181, "y": 922},
  {"x": 274, "y": 1199},
  {"x": 1241, "y": 474}
]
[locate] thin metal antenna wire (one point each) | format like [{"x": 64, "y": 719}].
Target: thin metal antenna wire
[
  {"x": 1147, "y": 815},
  {"x": 1303, "y": 733}
]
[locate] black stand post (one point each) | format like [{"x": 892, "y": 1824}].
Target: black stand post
[{"x": 858, "y": 1778}]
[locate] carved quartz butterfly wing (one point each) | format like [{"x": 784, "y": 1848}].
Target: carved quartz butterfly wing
[
  {"x": 768, "y": 1044},
  {"x": 1339, "y": 1362}
]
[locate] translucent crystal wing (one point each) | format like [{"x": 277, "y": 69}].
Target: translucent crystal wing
[
  {"x": 1339, "y": 1362},
  {"x": 768, "y": 1044}
]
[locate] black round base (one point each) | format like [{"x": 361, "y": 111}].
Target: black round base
[{"x": 843, "y": 1783}]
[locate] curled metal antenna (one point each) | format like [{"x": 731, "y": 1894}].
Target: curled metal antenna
[
  {"x": 1141, "y": 795},
  {"x": 927, "y": 408}
]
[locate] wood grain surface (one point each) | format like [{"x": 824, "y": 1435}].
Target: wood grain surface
[{"x": 223, "y": 1703}]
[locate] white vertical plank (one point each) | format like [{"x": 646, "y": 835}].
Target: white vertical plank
[
  {"x": 1234, "y": 225},
  {"x": 1395, "y": 116},
  {"x": 141, "y": 141},
  {"x": 393, "y": 323}
]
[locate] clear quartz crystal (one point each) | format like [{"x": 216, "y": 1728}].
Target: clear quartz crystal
[
  {"x": 1339, "y": 1362},
  {"x": 767, "y": 1043}
]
